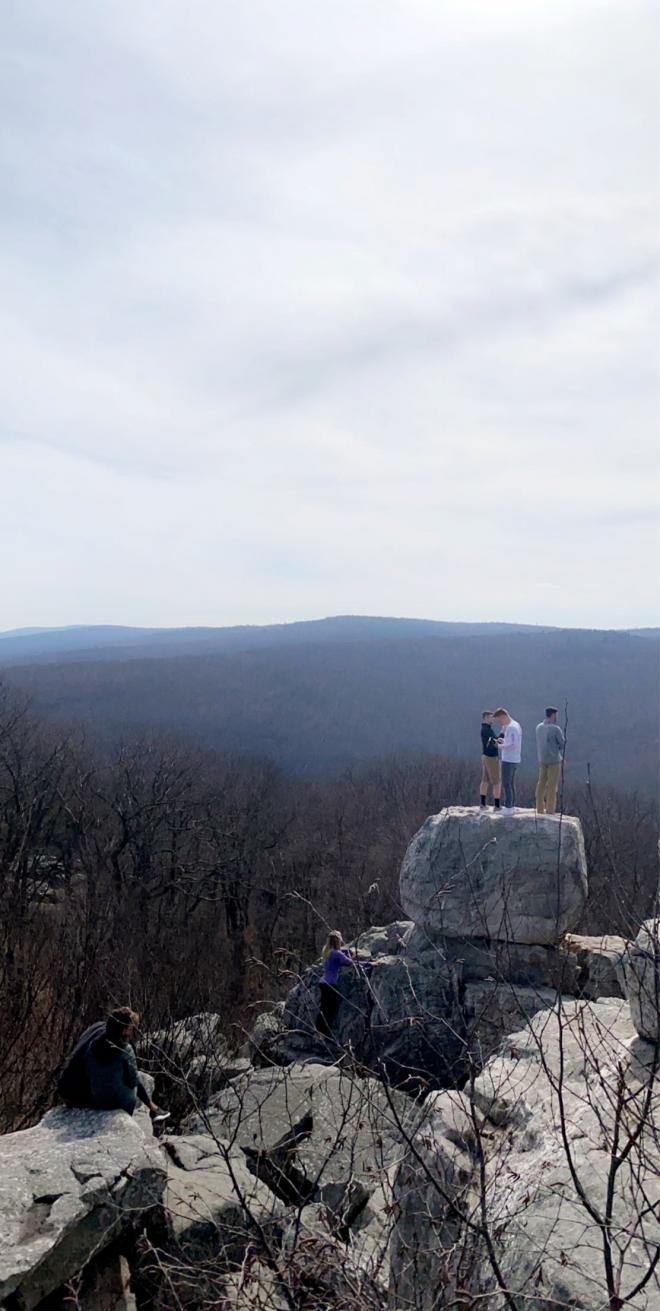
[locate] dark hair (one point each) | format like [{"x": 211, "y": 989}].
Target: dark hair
[
  {"x": 486, "y": 712},
  {"x": 500, "y": 711},
  {"x": 550, "y": 710},
  {"x": 118, "y": 1020}
]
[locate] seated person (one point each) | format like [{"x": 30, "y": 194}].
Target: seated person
[{"x": 102, "y": 1072}]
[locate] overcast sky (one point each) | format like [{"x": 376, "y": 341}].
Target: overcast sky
[{"x": 315, "y": 308}]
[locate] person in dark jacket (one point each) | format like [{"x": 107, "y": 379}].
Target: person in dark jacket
[
  {"x": 102, "y": 1072},
  {"x": 491, "y": 774}
]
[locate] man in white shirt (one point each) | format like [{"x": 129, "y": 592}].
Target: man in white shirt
[{"x": 510, "y": 744}]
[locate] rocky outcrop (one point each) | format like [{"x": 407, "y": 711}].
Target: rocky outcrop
[
  {"x": 531, "y": 1142},
  {"x": 491, "y": 897},
  {"x": 550, "y": 1167},
  {"x": 399, "y": 1019},
  {"x": 473, "y": 874},
  {"x": 322, "y": 1148},
  {"x": 68, "y": 1188},
  {"x": 641, "y": 965},
  {"x": 528, "y": 964},
  {"x": 434, "y": 1207},
  {"x": 346, "y": 1117},
  {"x": 324, "y": 1270}
]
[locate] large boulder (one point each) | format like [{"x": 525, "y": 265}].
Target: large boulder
[
  {"x": 67, "y": 1188},
  {"x": 415, "y": 1025},
  {"x": 641, "y": 964},
  {"x": 474, "y": 874}
]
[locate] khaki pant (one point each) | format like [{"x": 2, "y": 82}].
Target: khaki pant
[
  {"x": 546, "y": 789},
  {"x": 490, "y": 772}
]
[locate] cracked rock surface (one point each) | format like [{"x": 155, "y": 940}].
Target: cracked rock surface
[{"x": 66, "y": 1188}]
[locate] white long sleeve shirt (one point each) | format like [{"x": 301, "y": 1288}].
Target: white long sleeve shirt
[{"x": 511, "y": 749}]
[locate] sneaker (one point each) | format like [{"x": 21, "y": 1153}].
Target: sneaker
[
  {"x": 507, "y": 810},
  {"x": 158, "y": 1116}
]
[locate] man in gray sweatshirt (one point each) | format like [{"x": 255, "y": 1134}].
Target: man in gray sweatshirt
[{"x": 550, "y": 750}]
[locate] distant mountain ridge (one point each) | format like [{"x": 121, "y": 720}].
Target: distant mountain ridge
[{"x": 106, "y": 641}]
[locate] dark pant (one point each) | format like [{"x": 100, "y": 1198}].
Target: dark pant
[
  {"x": 328, "y": 1010},
  {"x": 509, "y": 782}
]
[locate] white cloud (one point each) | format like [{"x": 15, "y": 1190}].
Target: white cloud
[{"x": 328, "y": 308}]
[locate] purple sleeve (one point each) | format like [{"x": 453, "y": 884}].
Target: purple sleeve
[{"x": 345, "y": 958}]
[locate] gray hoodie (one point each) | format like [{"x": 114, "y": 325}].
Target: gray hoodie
[{"x": 549, "y": 743}]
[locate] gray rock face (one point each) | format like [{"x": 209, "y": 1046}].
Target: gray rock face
[
  {"x": 599, "y": 963},
  {"x": 641, "y": 965},
  {"x": 527, "y": 964},
  {"x": 67, "y": 1187},
  {"x": 355, "y": 1123},
  {"x": 325, "y": 1268},
  {"x": 434, "y": 1198},
  {"x": 384, "y": 939},
  {"x": 415, "y": 1031},
  {"x": 494, "y": 1009},
  {"x": 214, "y": 1202},
  {"x": 543, "y": 1232},
  {"x": 262, "y": 1044},
  {"x": 196, "y": 1036},
  {"x": 400, "y": 1019},
  {"x": 519, "y": 878}
]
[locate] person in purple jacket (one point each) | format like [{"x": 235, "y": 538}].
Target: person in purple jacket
[{"x": 334, "y": 959}]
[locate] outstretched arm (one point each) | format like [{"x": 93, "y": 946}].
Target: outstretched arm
[{"x": 345, "y": 958}]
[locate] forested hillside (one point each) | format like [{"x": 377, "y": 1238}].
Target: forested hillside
[{"x": 312, "y": 704}]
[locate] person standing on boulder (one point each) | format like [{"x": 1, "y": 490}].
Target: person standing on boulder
[
  {"x": 490, "y": 762},
  {"x": 510, "y": 744},
  {"x": 334, "y": 960},
  {"x": 550, "y": 751}
]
